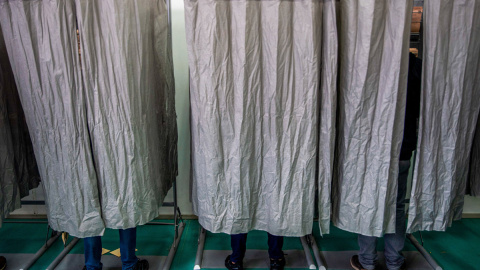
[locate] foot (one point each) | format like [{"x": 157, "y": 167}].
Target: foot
[
  {"x": 3, "y": 263},
  {"x": 141, "y": 265},
  {"x": 277, "y": 264},
  {"x": 233, "y": 266},
  {"x": 403, "y": 267},
  {"x": 355, "y": 263}
]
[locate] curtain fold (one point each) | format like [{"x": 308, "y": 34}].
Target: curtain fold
[
  {"x": 328, "y": 111},
  {"x": 254, "y": 89},
  {"x": 449, "y": 110},
  {"x": 373, "y": 52}
]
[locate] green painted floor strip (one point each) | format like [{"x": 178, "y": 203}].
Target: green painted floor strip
[{"x": 458, "y": 248}]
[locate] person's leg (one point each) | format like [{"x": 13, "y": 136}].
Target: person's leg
[
  {"x": 128, "y": 243},
  {"x": 368, "y": 251},
  {"x": 275, "y": 245},
  {"x": 93, "y": 252},
  {"x": 277, "y": 258},
  {"x": 395, "y": 242},
  {"x": 239, "y": 247}
]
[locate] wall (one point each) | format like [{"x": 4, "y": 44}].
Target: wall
[{"x": 472, "y": 207}]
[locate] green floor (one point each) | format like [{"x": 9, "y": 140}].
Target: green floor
[{"x": 458, "y": 248}]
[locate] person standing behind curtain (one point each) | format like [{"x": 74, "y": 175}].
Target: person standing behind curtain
[
  {"x": 394, "y": 242},
  {"x": 239, "y": 247},
  {"x": 128, "y": 242}
]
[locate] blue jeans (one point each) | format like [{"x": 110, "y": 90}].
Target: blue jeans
[
  {"x": 128, "y": 242},
  {"x": 239, "y": 247},
  {"x": 394, "y": 242}
]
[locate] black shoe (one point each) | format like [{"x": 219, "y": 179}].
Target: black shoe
[
  {"x": 355, "y": 263},
  {"x": 141, "y": 265},
  {"x": 233, "y": 266},
  {"x": 277, "y": 264},
  {"x": 3, "y": 263}
]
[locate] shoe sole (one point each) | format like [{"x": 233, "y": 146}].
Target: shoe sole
[{"x": 354, "y": 267}]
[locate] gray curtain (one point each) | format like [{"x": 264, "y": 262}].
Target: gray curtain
[
  {"x": 104, "y": 136},
  {"x": 128, "y": 77},
  {"x": 41, "y": 42},
  {"x": 373, "y": 52},
  {"x": 9, "y": 192},
  {"x": 328, "y": 110},
  {"x": 254, "y": 71},
  {"x": 18, "y": 169},
  {"x": 25, "y": 164},
  {"x": 449, "y": 110}
]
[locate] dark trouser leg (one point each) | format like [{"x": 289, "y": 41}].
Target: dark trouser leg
[
  {"x": 128, "y": 243},
  {"x": 239, "y": 247},
  {"x": 368, "y": 251},
  {"x": 395, "y": 242},
  {"x": 93, "y": 252},
  {"x": 275, "y": 245}
]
